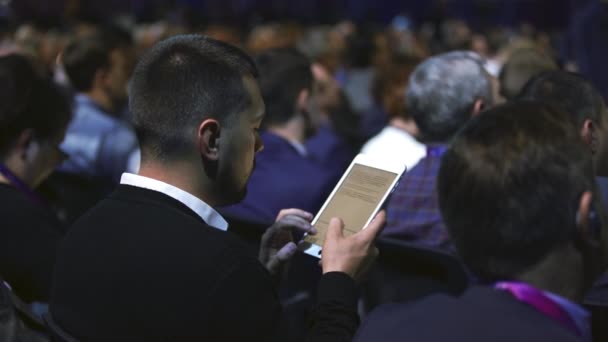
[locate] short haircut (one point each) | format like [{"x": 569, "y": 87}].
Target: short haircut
[
  {"x": 509, "y": 187},
  {"x": 442, "y": 91},
  {"x": 180, "y": 82},
  {"x": 284, "y": 73},
  {"x": 29, "y": 101},
  {"x": 523, "y": 64},
  {"x": 569, "y": 91}
]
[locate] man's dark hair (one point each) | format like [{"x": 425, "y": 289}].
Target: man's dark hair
[
  {"x": 442, "y": 91},
  {"x": 86, "y": 55},
  {"x": 509, "y": 187},
  {"x": 284, "y": 73},
  {"x": 520, "y": 68},
  {"x": 180, "y": 82},
  {"x": 29, "y": 101},
  {"x": 81, "y": 60},
  {"x": 569, "y": 91}
]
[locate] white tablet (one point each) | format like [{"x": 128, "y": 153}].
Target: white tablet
[{"x": 356, "y": 199}]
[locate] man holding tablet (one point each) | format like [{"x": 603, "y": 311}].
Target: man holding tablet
[{"x": 153, "y": 261}]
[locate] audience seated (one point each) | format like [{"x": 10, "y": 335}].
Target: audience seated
[
  {"x": 152, "y": 261},
  {"x": 516, "y": 191},
  {"x": 287, "y": 173},
  {"x": 196, "y": 244},
  {"x": 34, "y": 115},
  {"x": 444, "y": 92},
  {"x": 100, "y": 145},
  {"x": 397, "y": 140}
]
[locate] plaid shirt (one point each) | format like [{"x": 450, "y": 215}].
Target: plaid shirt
[{"x": 413, "y": 209}]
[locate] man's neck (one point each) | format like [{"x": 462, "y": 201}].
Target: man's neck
[
  {"x": 560, "y": 273},
  {"x": 179, "y": 175},
  {"x": 294, "y": 130},
  {"x": 100, "y": 98}
]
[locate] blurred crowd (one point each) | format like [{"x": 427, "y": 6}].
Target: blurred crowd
[{"x": 93, "y": 105}]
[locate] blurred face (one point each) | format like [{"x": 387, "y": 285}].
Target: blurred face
[
  {"x": 239, "y": 145},
  {"x": 117, "y": 78}
]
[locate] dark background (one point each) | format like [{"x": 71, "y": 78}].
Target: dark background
[{"x": 545, "y": 14}]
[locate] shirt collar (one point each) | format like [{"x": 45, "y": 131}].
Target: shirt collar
[
  {"x": 301, "y": 149},
  {"x": 202, "y": 209}
]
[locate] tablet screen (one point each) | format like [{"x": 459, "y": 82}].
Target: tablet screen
[{"x": 355, "y": 200}]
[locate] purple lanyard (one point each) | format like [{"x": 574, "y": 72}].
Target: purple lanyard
[
  {"x": 20, "y": 185},
  {"x": 436, "y": 150},
  {"x": 539, "y": 301}
]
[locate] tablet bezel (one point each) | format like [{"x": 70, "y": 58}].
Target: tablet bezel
[{"x": 365, "y": 160}]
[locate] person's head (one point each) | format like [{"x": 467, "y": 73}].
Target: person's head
[
  {"x": 390, "y": 83},
  {"x": 195, "y": 103},
  {"x": 34, "y": 115},
  {"x": 285, "y": 82},
  {"x": 582, "y": 101},
  {"x": 445, "y": 91},
  {"x": 523, "y": 64},
  {"x": 101, "y": 65},
  {"x": 515, "y": 191}
]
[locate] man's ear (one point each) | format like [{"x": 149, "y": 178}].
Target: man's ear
[
  {"x": 589, "y": 134},
  {"x": 478, "y": 107},
  {"x": 208, "y": 139},
  {"x": 583, "y": 221}
]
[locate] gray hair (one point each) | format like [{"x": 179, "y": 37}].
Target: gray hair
[{"x": 442, "y": 91}]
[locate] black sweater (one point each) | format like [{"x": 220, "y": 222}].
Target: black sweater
[
  {"x": 29, "y": 235},
  {"x": 141, "y": 266}
]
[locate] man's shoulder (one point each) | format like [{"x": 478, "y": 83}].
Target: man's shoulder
[
  {"x": 142, "y": 209},
  {"x": 19, "y": 211},
  {"x": 89, "y": 115},
  {"x": 481, "y": 313},
  {"x": 132, "y": 229}
]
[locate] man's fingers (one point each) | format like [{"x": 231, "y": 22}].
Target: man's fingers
[
  {"x": 295, "y": 222},
  {"x": 282, "y": 256},
  {"x": 295, "y": 212},
  {"x": 374, "y": 227},
  {"x": 335, "y": 229},
  {"x": 288, "y": 251}
]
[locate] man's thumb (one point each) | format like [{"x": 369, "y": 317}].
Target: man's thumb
[{"x": 335, "y": 229}]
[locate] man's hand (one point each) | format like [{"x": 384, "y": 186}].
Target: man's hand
[
  {"x": 350, "y": 254},
  {"x": 277, "y": 245}
]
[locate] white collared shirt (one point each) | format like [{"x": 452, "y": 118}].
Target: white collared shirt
[{"x": 202, "y": 209}]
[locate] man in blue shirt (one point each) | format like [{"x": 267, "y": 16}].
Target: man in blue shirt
[
  {"x": 100, "y": 145},
  {"x": 288, "y": 173}
]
